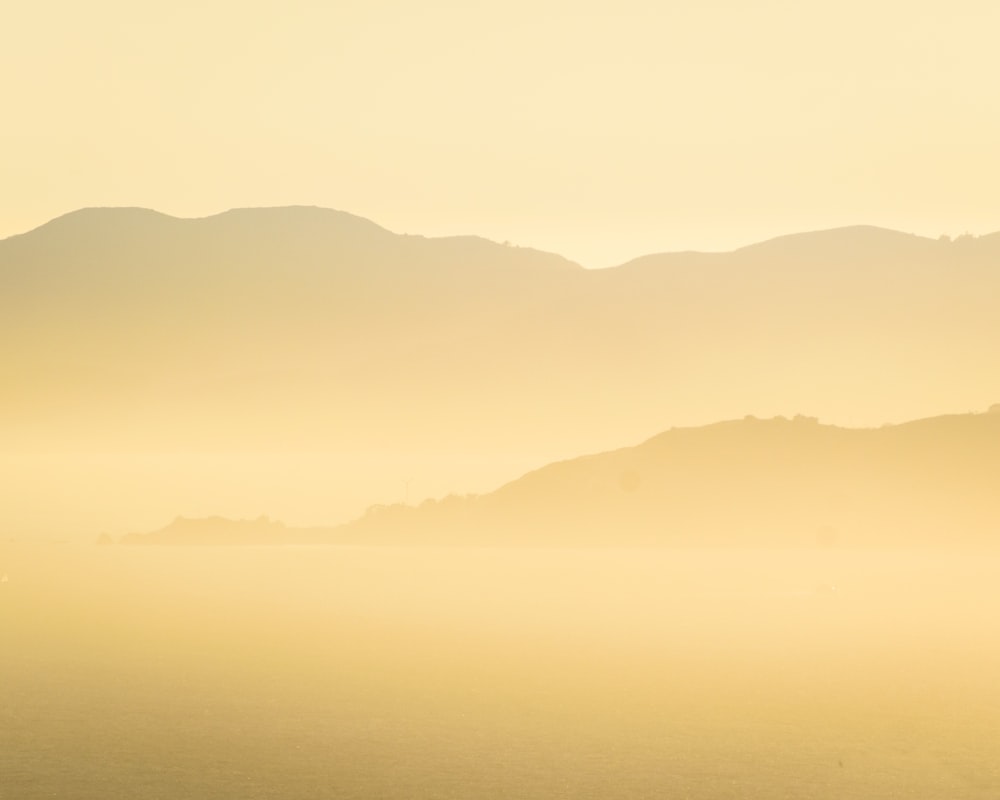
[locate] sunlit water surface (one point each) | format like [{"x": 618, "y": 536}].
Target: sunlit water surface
[{"x": 484, "y": 673}]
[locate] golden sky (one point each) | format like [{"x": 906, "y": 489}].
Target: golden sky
[{"x": 600, "y": 131}]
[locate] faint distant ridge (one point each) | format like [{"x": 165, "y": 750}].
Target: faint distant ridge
[
  {"x": 847, "y": 238},
  {"x": 116, "y": 221},
  {"x": 743, "y": 483},
  {"x": 215, "y": 531},
  {"x": 282, "y": 226},
  {"x": 301, "y": 328},
  {"x": 851, "y": 243}
]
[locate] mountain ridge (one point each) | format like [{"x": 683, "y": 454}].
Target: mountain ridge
[
  {"x": 244, "y": 333},
  {"x": 288, "y": 213},
  {"x": 748, "y": 483}
]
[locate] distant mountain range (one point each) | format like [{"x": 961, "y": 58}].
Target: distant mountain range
[
  {"x": 303, "y": 328},
  {"x": 745, "y": 483}
]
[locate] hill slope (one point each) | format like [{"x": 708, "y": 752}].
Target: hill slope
[
  {"x": 746, "y": 483},
  {"x": 140, "y": 354},
  {"x": 302, "y": 328}
]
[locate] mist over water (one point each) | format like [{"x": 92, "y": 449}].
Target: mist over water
[
  {"x": 613, "y": 387},
  {"x": 497, "y": 672}
]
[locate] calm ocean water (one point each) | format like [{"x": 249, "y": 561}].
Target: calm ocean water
[{"x": 485, "y": 673}]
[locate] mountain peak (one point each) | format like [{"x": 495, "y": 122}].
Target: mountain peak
[
  {"x": 102, "y": 221},
  {"x": 848, "y": 239},
  {"x": 296, "y": 217}
]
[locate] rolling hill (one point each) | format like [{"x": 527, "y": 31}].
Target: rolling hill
[
  {"x": 141, "y": 354},
  {"x": 308, "y": 328},
  {"x": 744, "y": 483}
]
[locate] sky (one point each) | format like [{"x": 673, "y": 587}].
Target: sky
[{"x": 599, "y": 131}]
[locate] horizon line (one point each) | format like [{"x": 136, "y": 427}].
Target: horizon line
[{"x": 946, "y": 238}]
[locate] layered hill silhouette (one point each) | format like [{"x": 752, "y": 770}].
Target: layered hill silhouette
[
  {"x": 745, "y": 483},
  {"x": 304, "y": 328},
  {"x": 321, "y": 362}
]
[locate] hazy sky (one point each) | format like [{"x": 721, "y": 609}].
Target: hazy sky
[{"x": 601, "y": 131}]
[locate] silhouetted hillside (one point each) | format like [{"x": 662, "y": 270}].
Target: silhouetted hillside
[
  {"x": 751, "y": 482},
  {"x": 745, "y": 483},
  {"x": 258, "y": 328},
  {"x": 125, "y": 333},
  {"x": 304, "y": 328}
]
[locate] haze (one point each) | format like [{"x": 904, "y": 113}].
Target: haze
[
  {"x": 601, "y": 132},
  {"x": 464, "y": 401},
  {"x": 306, "y": 363}
]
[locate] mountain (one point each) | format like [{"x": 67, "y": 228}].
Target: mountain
[
  {"x": 257, "y": 328},
  {"x": 744, "y": 483},
  {"x": 750, "y": 482},
  {"x": 264, "y": 332}
]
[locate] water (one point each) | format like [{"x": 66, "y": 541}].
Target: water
[{"x": 487, "y": 673}]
